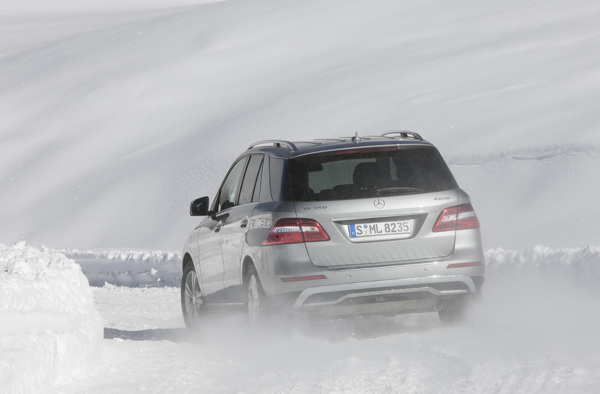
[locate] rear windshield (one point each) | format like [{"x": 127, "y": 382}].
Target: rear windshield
[{"x": 369, "y": 172}]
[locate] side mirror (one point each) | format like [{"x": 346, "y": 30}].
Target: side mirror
[{"x": 199, "y": 207}]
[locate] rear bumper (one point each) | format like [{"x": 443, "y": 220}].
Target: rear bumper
[
  {"x": 436, "y": 286},
  {"x": 404, "y": 295},
  {"x": 416, "y": 286}
]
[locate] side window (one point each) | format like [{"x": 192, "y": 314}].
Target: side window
[
  {"x": 231, "y": 185},
  {"x": 250, "y": 183},
  {"x": 256, "y": 195}
]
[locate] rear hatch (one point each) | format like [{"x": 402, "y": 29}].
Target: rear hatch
[{"x": 378, "y": 204}]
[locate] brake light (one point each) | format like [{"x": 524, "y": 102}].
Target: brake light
[
  {"x": 366, "y": 150},
  {"x": 289, "y": 231},
  {"x": 460, "y": 217}
]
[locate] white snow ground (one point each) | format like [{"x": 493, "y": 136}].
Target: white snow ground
[
  {"x": 536, "y": 331},
  {"x": 114, "y": 115}
]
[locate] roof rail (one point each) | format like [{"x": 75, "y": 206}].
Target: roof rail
[
  {"x": 402, "y": 134},
  {"x": 324, "y": 140},
  {"x": 276, "y": 143}
]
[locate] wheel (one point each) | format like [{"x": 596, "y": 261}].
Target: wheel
[
  {"x": 192, "y": 301},
  {"x": 254, "y": 297},
  {"x": 453, "y": 310}
]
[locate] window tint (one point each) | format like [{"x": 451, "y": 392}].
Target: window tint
[
  {"x": 279, "y": 179},
  {"x": 231, "y": 186},
  {"x": 250, "y": 179},
  {"x": 256, "y": 195},
  {"x": 369, "y": 172},
  {"x": 334, "y": 173}
]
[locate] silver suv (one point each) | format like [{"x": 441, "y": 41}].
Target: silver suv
[{"x": 340, "y": 226}]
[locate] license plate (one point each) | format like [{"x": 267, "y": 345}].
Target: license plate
[{"x": 381, "y": 228}]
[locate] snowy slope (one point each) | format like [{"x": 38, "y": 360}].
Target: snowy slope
[{"x": 112, "y": 123}]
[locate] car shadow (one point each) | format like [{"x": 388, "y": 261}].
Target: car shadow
[
  {"x": 330, "y": 329},
  {"x": 155, "y": 334}
]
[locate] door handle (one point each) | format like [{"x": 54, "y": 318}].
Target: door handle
[
  {"x": 244, "y": 223},
  {"x": 221, "y": 220}
]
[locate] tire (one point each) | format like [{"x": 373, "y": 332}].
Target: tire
[
  {"x": 192, "y": 300},
  {"x": 254, "y": 297}
]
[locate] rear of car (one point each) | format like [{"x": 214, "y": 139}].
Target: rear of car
[
  {"x": 377, "y": 226},
  {"x": 341, "y": 226}
]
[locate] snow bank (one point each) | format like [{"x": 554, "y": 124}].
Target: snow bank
[
  {"x": 129, "y": 268},
  {"x": 578, "y": 267},
  {"x": 49, "y": 327}
]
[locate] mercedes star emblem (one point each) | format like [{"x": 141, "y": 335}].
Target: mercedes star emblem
[{"x": 379, "y": 203}]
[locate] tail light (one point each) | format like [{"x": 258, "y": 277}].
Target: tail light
[
  {"x": 290, "y": 231},
  {"x": 460, "y": 217}
]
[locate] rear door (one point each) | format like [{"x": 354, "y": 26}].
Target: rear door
[
  {"x": 236, "y": 225},
  {"x": 378, "y": 204},
  {"x": 210, "y": 236}
]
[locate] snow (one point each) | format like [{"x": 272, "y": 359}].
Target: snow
[
  {"x": 124, "y": 115},
  {"x": 536, "y": 331},
  {"x": 530, "y": 196},
  {"x": 128, "y": 268},
  {"x": 116, "y": 114},
  {"x": 49, "y": 326}
]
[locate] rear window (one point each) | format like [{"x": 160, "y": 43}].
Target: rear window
[{"x": 369, "y": 172}]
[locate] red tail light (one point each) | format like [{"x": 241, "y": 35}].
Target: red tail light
[
  {"x": 289, "y": 231},
  {"x": 460, "y": 217},
  {"x": 365, "y": 150}
]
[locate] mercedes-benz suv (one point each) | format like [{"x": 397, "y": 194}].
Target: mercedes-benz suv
[{"x": 356, "y": 225}]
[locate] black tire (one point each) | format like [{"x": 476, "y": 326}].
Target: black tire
[
  {"x": 255, "y": 296},
  {"x": 192, "y": 299}
]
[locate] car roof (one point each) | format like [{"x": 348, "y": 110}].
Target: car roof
[{"x": 288, "y": 149}]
